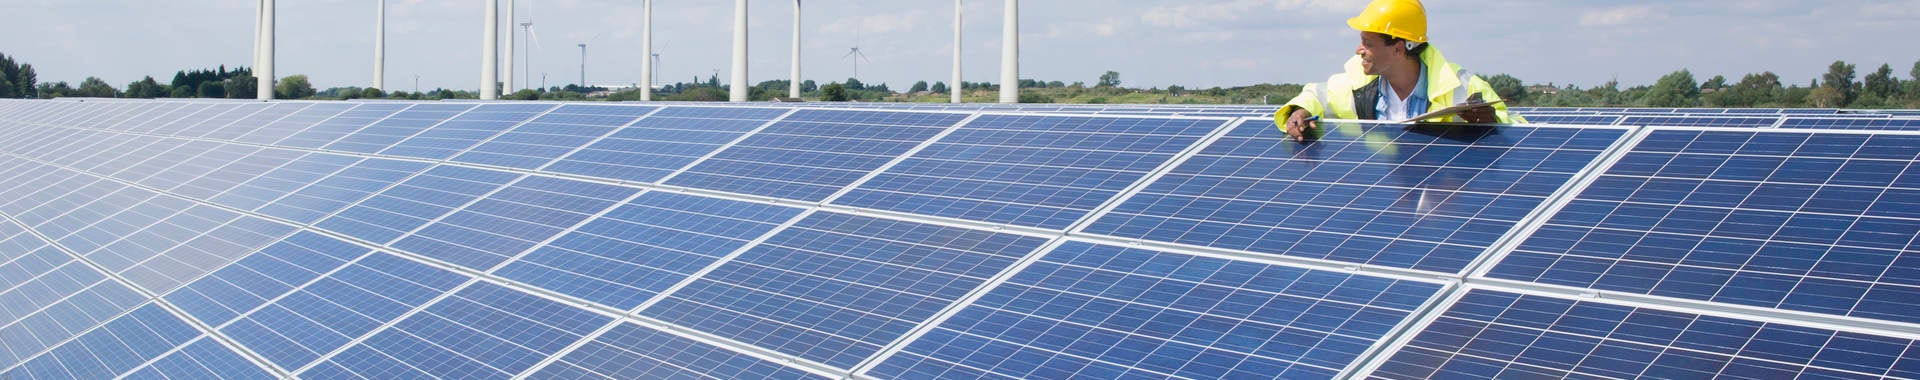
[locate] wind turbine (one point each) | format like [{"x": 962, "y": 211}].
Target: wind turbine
[
  {"x": 533, "y": 43},
  {"x": 856, "y": 54}
]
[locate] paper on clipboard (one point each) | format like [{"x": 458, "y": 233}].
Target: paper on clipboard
[{"x": 1454, "y": 110}]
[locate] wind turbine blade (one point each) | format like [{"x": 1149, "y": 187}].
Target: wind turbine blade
[{"x": 850, "y": 53}]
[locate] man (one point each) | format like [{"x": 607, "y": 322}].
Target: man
[{"x": 1394, "y": 75}]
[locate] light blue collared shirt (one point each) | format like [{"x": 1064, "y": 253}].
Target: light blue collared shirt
[{"x": 1416, "y": 103}]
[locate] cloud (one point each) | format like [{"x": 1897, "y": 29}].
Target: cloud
[
  {"x": 1207, "y": 36},
  {"x": 1620, "y": 16}
]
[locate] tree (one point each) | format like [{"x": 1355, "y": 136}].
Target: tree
[
  {"x": 809, "y": 86},
  {"x": 1673, "y": 90},
  {"x": 1825, "y": 97},
  {"x": 1913, "y": 81},
  {"x": 918, "y": 87},
  {"x": 211, "y": 90},
  {"x": 833, "y": 92},
  {"x": 1752, "y": 90},
  {"x": 1839, "y": 77},
  {"x": 9, "y": 72},
  {"x": 293, "y": 87},
  {"x": 1881, "y": 82},
  {"x": 1715, "y": 83},
  {"x": 243, "y": 86},
  {"x": 853, "y": 84},
  {"x": 93, "y": 87},
  {"x": 1110, "y": 79},
  {"x": 1508, "y": 87},
  {"x": 146, "y": 89},
  {"x": 54, "y": 90},
  {"x": 939, "y": 87},
  {"x": 375, "y": 93},
  {"x": 24, "y": 83}
]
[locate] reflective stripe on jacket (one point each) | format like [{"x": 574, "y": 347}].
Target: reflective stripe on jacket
[{"x": 1336, "y": 98}]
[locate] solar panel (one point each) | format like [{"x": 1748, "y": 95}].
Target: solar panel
[
  {"x": 1029, "y": 170},
  {"x": 812, "y": 154},
  {"x": 837, "y": 288},
  {"x": 630, "y": 351},
  {"x": 1807, "y": 221},
  {"x": 1420, "y": 197},
  {"x": 644, "y": 247},
  {"x": 1701, "y": 121},
  {"x": 1100, "y": 311},
  {"x": 238, "y": 239},
  {"x": 1573, "y": 119},
  {"x": 554, "y": 134},
  {"x": 1492, "y": 334},
  {"x": 1903, "y": 124},
  {"x": 394, "y": 128},
  {"x": 462, "y": 132},
  {"x": 663, "y": 142}
]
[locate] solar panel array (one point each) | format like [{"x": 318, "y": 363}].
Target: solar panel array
[{"x": 201, "y": 239}]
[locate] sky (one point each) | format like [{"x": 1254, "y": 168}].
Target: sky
[{"x": 1151, "y": 43}]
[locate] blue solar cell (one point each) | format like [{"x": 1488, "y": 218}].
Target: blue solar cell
[
  {"x": 483, "y": 331},
  {"x": 138, "y": 246},
  {"x": 1701, "y": 121},
  {"x": 332, "y": 311},
  {"x": 213, "y": 181},
  {"x": 1573, "y": 119},
  {"x": 259, "y": 116},
  {"x": 1904, "y": 124},
  {"x": 346, "y": 123},
  {"x": 812, "y": 154},
  {"x": 209, "y": 117},
  {"x": 633, "y": 352},
  {"x": 392, "y": 129},
  {"x": 1422, "y": 197},
  {"x": 1793, "y": 224},
  {"x": 340, "y": 189},
  {"x": 510, "y": 221},
  {"x": 1111, "y": 312},
  {"x": 1490, "y": 334},
  {"x": 283, "y": 180},
  {"x": 643, "y": 247},
  {"x": 45, "y": 324},
  {"x": 263, "y": 276},
  {"x": 653, "y": 147},
  {"x": 415, "y": 202},
  {"x": 836, "y": 288},
  {"x": 294, "y": 123},
  {"x": 465, "y": 131},
  {"x": 202, "y": 359},
  {"x": 541, "y": 140},
  {"x": 205, "y": 253},
  {"x": 1029, "y": 170},
  {"x": 119, "y": 346}
]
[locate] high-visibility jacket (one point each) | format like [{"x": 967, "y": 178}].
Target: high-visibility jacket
[{"x": 1352, "y": 94}]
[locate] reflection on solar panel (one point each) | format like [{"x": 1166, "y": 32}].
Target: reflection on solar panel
[
  {"x": 230, "y": 239},
  {"x": 1492, "y": 334},
  {"x": 1029, "y": 170},
  {"x": 1860, "y": 124},
  {"x": 1798, "y": 221},
  {"x": 1701, "y": 121},
  {"x": 1573, "y": 119},
  {"x": 1100, "y": 311},
  {"x": 812, "y": 154},
  {"x": 1430, "y": 198},
  {"x": 797, "y": 293}
]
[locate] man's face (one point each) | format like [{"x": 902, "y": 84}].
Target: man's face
[{"x": 1375, "y": 52}]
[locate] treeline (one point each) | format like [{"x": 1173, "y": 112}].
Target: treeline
[{"x": 1837, "y": 88}]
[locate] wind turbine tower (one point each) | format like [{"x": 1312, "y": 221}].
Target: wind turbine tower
[{"x": 738, "y": 92}]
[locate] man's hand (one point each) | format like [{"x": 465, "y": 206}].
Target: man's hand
[
  {"x": 1298, "y": 125},
  {"x": 1480, "y": 115}
]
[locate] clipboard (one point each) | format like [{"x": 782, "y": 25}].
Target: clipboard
[{"x": 1456, "y": 109}]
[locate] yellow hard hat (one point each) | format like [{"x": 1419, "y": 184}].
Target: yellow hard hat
[{"x": 1399, "y": 18}]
